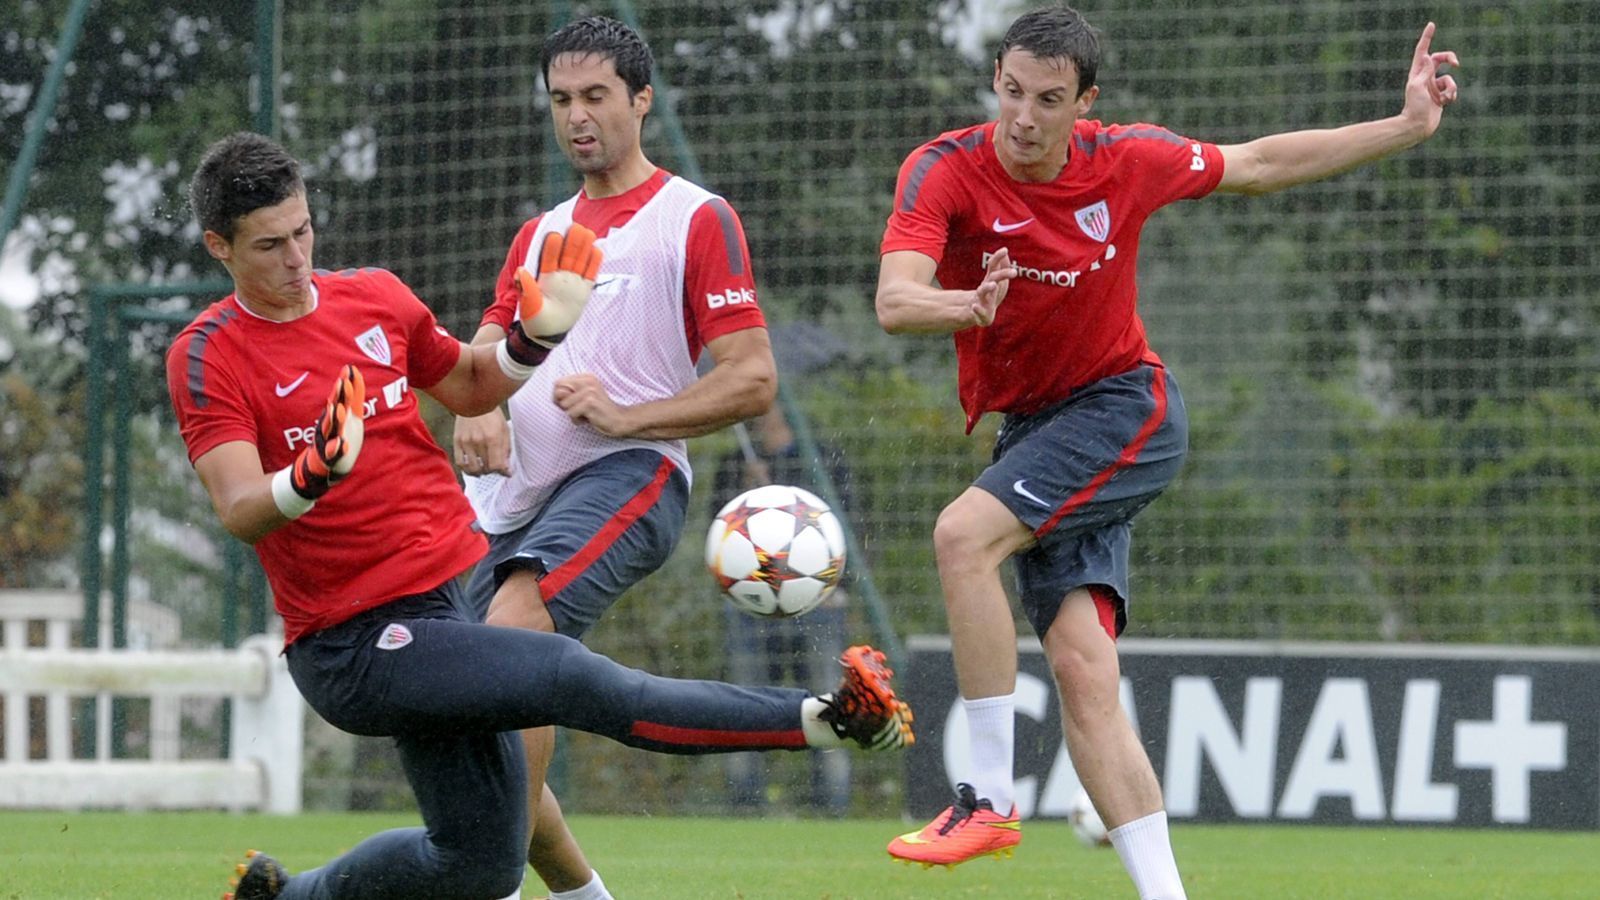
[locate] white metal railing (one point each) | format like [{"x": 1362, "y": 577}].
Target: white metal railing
[{"x": 267, "y": 728}]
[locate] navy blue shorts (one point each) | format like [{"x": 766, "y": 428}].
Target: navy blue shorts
[
  {"x": 605, "y": 528},
  {"x": 1077, "y": 473}
]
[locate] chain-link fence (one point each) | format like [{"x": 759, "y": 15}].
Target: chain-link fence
[
  {"x": 1390, "y": 374},
  {"x": 1389, "y": 371}
]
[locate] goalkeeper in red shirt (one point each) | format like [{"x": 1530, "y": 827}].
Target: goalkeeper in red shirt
[
  {"x": 356, "y": 516},
  {"x": 1042, "y": 209}
]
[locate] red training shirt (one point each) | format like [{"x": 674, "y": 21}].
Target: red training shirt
[
  {"x": 1069, "y": 318},
  {"x": 398, "y": 524}
]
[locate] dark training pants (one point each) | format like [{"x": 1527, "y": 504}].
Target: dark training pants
[{"x": 452, "y": 693}]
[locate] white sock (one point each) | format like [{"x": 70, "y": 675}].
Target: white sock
[
  {"x": 594, "y": 890},
  {"x": 818, "y": 733},
  {"x": 1146, "y": 851},
  {"x": 991, "y": 722}
]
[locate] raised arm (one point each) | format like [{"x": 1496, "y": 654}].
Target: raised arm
[
  {"x": 252, "y": 503},
  {"x": 551, "y": 302},
  {"x": 478, "y": 384},
  {"x": 909, "y": 303},
  {"x": 1278, "y": 161}
]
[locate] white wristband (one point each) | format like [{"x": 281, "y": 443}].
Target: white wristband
[
  {"x": 514, "y": 370},
  {"x": 289, "y": 501}
]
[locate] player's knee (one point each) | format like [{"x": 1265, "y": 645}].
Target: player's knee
[
  {"x": 489, "y": 884},
  {"x": 480, "y": 875},
  {"x": 1084, "y": 663},
  {"x": 592, "y": 692},
  {"x": 957, "y": 539},
  {"x": 519, "y": 604},
  {"x": 1088, "y": 680},
  {"x": 1076, "y": 672},
  {"x": 975, "y": 531}
]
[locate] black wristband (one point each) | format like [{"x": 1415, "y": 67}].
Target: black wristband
[
  {"x": 525, "y": 350},
  {"x": 305, "y": 482}
]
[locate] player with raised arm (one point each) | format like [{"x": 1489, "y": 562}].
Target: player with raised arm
[
  {"x": 591, "y": 494},
  {"x": 1030, "y": 227},
  {"x": 362, "y": 530}
]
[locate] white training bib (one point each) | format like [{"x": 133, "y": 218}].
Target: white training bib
[{"x": 631, "y": 337}]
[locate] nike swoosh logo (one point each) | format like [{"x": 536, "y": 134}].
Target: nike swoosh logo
[
  {"x": 1003, "y": 227},
  {"x": 286, "y": 390},
  {"x": 1018, "y": 487},
  {"x": 913, "y": 838}
]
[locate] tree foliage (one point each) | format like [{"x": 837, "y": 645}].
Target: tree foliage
[
  {"x": 150, "y": 85},
  {"x": 39, "y": 472}
]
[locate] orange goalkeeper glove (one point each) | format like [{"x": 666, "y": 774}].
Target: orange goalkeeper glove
[
  {"x": 335, "y": 445},
  {"x": 554, "y": 298}
]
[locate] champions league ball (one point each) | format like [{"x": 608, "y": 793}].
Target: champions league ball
[
  {"x": 1086, "y": 823},
  {"x": 776, "y": 551}
]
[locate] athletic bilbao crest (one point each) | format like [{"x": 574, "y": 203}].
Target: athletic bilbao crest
[
  {"x": 375, "y": 344},
  {"x": 394, "y": 637},
  {"x": 1095, "y": 220}
]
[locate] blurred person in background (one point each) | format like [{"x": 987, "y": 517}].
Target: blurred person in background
[
  {"x": 584, "y": 493},
  {"x": 1042, "y": 209}
]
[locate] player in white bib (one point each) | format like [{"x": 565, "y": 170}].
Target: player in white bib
[{"x": 585, "y": 493}]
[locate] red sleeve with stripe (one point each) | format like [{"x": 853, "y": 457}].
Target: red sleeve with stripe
[
  {"x": 1171, "y": 166},
  {"x": 431, "y": 351},
  {"x": 925, "y": 204},
  {"x": 205, "y": 397},
  {"x": 502, "y": 310},
  {"x": 719, "y": 291}
]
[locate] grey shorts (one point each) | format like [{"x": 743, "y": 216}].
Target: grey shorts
[
  {"x": 1077, "y": 473},
  {"x": 605, "y": 528}
]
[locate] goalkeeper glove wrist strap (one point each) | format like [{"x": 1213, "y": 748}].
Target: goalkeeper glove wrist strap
[
  {"x": 518, "y": 354},
  {"x": 290, "y": 502}
]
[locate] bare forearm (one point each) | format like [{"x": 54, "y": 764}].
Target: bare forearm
[
  {"x": 907, "y": 307},
  {"x": 1283, "y": 160},
  {"x": 240, "y": 491},
  {"x": 488, "y": 333},
  {"x": 250, "y": 514},
  {"x": 485, "y": 386},
  {"x": 487, "y": 337},
  {"x": 477, "y": 384},
  {"x": 725, "y": 395}
]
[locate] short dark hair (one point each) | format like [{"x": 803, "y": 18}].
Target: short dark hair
[
  {"x": 607, "y": 37},
  {"x": 238, "y": 175},
  {"x": 1057, "y": 32}
]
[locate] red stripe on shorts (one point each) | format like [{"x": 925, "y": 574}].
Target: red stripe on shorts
[
  {"x": 558, "y": 578},
  {"x": 793, "y": 739},
  {"x": 1129, "y": 454},
  {"x": 1105, "y": 604}
]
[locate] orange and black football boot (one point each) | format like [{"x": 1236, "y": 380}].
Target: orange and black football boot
[{"x": 864, "y": 709}]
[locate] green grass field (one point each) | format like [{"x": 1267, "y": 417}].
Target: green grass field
[{"x": 65, "y": 856}]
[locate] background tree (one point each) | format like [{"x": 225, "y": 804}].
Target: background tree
[{"x": 39, "y": 465}]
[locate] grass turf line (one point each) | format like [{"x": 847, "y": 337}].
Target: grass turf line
[{"x": 162, "y": 856}]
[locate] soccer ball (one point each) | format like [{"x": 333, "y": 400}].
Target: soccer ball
[
  {"x": 776, "y": 551},
  {"x": 1086, "y": 822}
]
